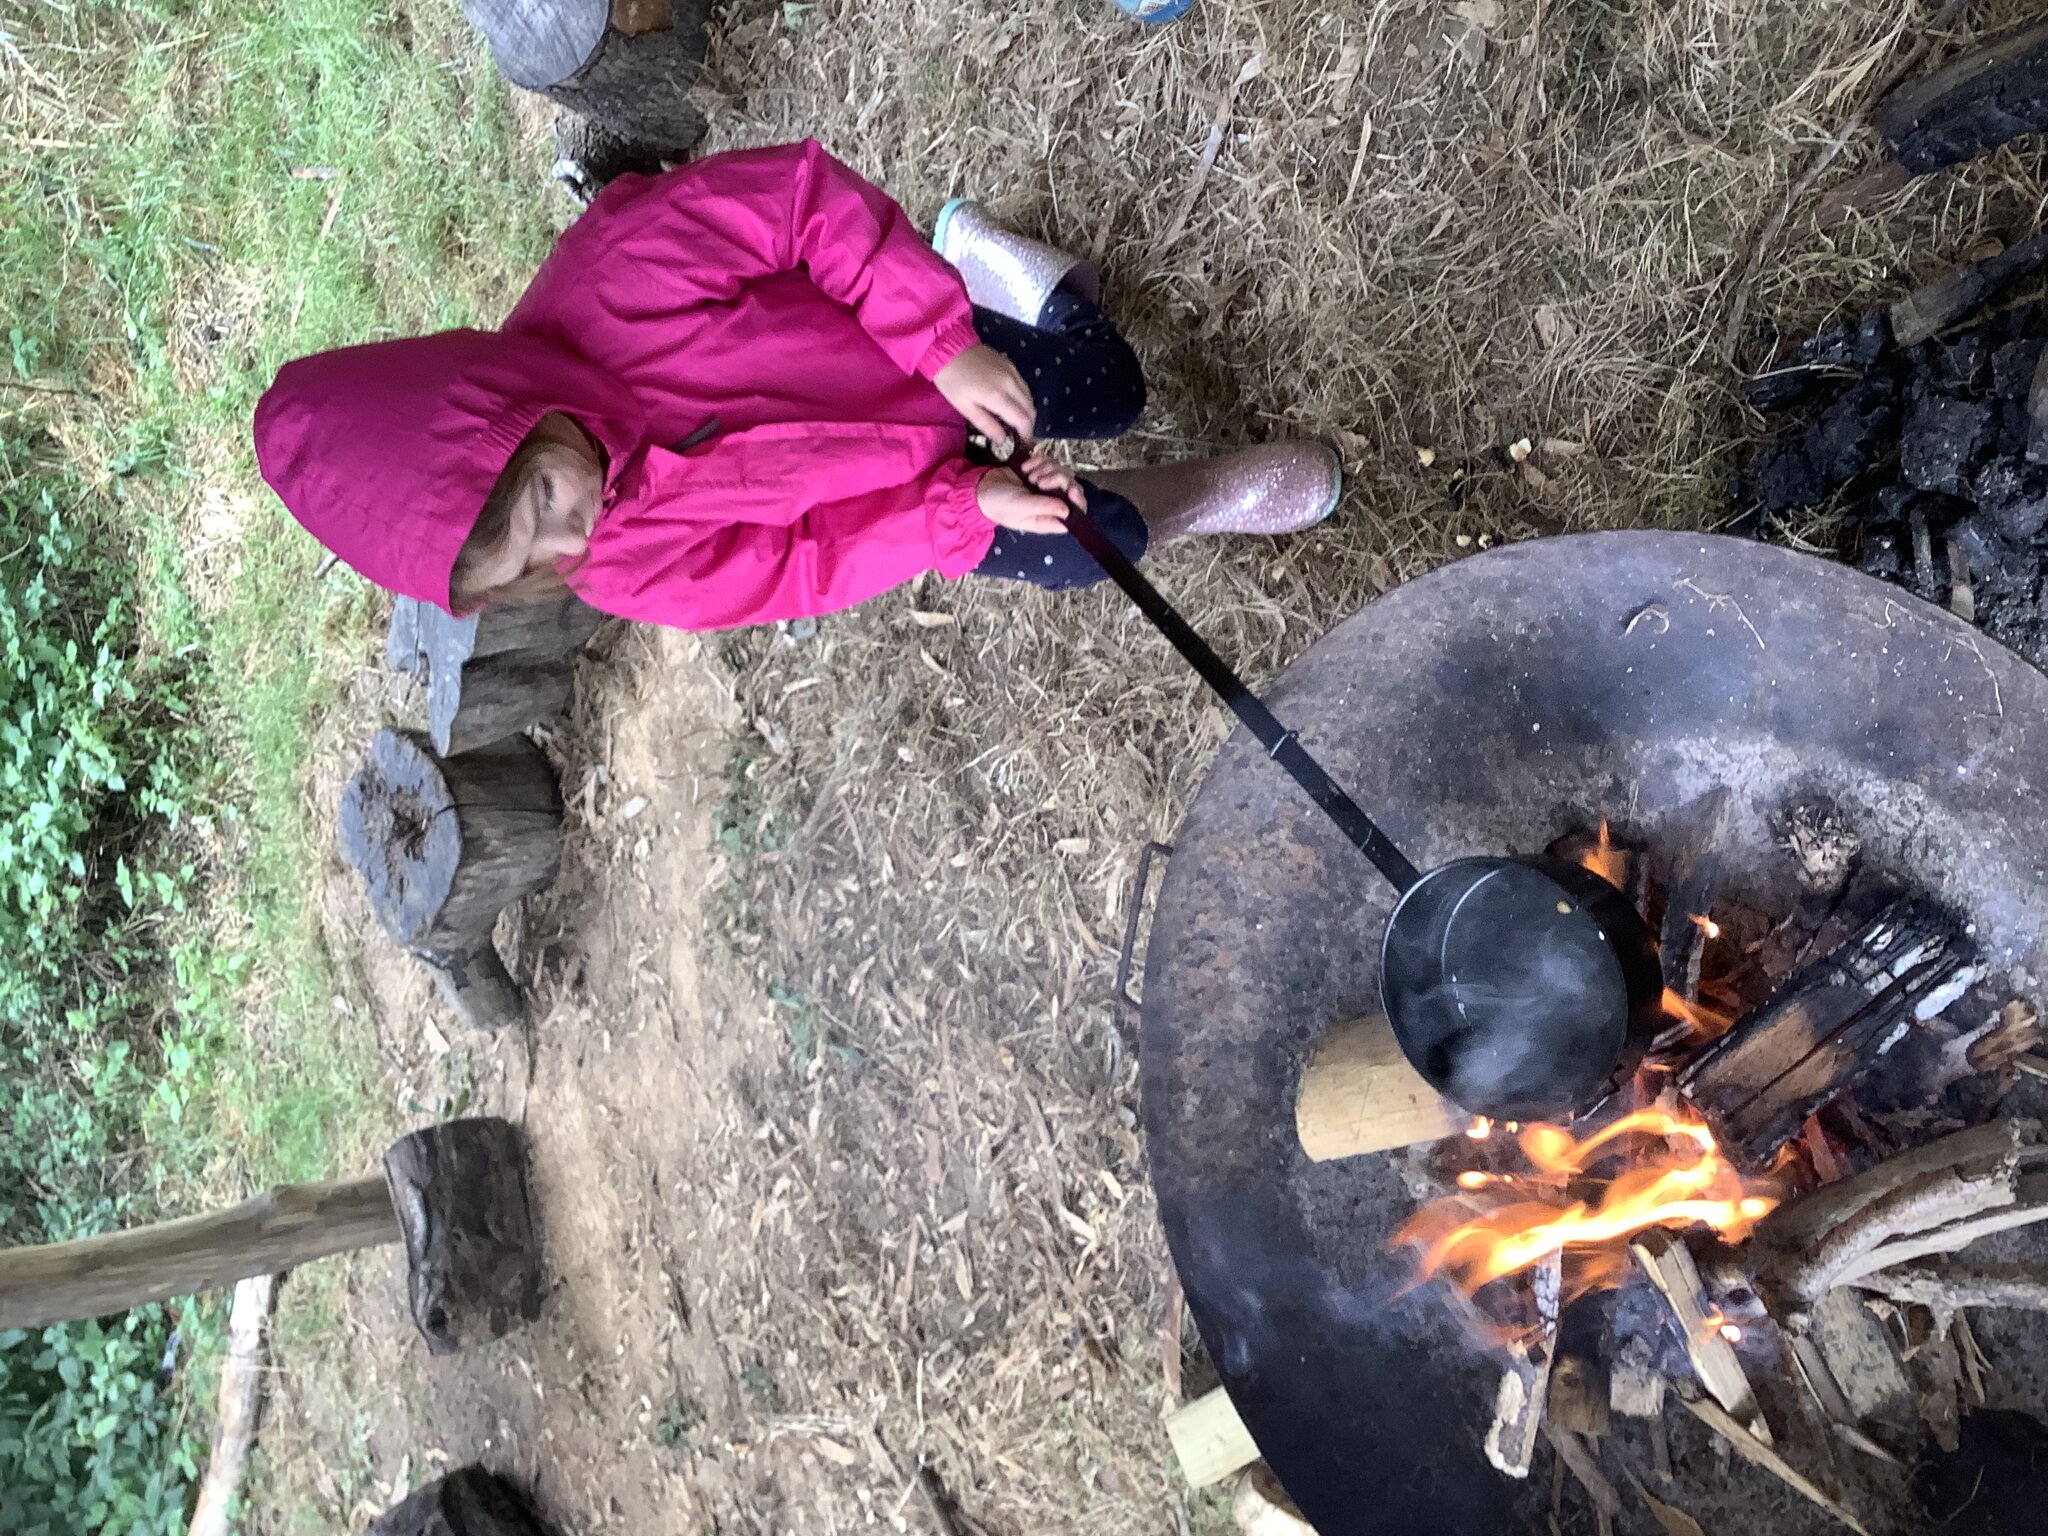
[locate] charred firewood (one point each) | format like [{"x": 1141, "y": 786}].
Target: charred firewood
[
  {"x": 1689, "y": 894},
  {"x": 474, "y": 1265},
  {"x": 1985, "y": 98},
  {"x": 1949, "y": 300},
  {"x": 1826, "y": 1027}
]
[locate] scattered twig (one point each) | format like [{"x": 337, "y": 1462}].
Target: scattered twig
[
  {"x": 1219, "y": 126},
  {"x": 1944, "y": 1289},
  {"x": 1754, "y": 1451}
]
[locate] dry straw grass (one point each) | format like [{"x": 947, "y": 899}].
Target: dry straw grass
[{"x": 1394, "y": 250}]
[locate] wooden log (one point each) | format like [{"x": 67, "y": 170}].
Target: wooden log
[
  {"x": 1669, "y": 1265},
  {"x": 444, "y": 845},
  {"x": 439, "y": 641},
  {"x": 1209, "y": 1439},
  {"x": 1524, "y": 1389},
  {"x": 1694, "y": 880},
  {"x": 241, "y": 1404},
  {"x": 477, "y": 986},
  {"x": 1860, "y": 1359},
  {"x": 1360, "y": 1095},
  {"x": 1986, "y": 97},
  {"x": 278, "y": 1230},
  {"x": 460, "y": 1193},
  {"x": 496, "y": 697},
  {"x": 471, "y": 1502},
  {"x": 1825, "y": 1027},
  {"x": 628, "y": 64},
  {"x": 1949, "y": 300}
]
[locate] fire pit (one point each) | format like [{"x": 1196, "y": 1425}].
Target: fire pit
[{"x": 1490, "y": 708}]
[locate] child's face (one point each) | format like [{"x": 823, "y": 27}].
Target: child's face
[{"x": 554, "y": 506}]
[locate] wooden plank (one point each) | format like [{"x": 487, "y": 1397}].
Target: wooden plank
[
  {"x": 1209, "y": 1439},
  {"x": 278, "y": 1230},
  {"x": 1360, "y": 1095}
]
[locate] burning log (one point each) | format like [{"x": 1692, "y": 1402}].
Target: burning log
[
  {"x": 1525, "y": 1384},
  {"x": 1978, "y": 101},
  {"x": 1934, "y": 1199},
  {"x": 1826, "y": 1027},
  {"x": 1360, "y": 1095}
]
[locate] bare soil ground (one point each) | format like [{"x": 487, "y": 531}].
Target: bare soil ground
[{"x": 833, "y": 1131}]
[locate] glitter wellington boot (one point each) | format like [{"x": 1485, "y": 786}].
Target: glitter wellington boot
[
  {"x": 1274, "y": 488},
  {"x": 1006, "y": 272}
]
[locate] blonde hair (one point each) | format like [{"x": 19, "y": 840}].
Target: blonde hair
[{"x": 487, "y": 537}]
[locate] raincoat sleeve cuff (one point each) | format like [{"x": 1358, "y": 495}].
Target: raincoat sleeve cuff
[
  {"x": 961, "y": 534},
  {"x": 955, "y": 337}
]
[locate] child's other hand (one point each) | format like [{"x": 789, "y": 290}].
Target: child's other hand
[
  {"x": 985, "y": 387},
  {"x": 1034, "y": 502}
]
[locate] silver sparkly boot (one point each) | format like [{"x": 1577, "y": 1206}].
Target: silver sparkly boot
[
  {"x": 1274, "y": 488},
  {"x": 1007, "y": 272}
]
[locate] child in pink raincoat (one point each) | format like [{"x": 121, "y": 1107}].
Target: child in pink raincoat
[{"x": 740, "y": 392}]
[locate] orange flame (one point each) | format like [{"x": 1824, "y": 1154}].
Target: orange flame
[
  {"x": 1706, "y": 925},
  {"x": 1706, "y": 1024},
  {"x": 1674, "y": 1176},
  {"x": 1606, "y": 860}
]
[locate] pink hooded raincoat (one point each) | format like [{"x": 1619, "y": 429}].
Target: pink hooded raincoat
[{"x": 752, "y": 339}]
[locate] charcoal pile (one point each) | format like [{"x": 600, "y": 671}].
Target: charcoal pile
[{"x": 1926, "y": 426}]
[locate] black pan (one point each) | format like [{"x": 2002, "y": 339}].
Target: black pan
[{"x": 1514, "y": 985}]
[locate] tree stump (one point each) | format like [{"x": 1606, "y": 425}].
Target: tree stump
[
  {"x": 625, "y": 64},
  {"x": 474, "y": 1266},
  {"x": 471, "y": 1502},
  {"x": 444, "y": 845},
  {"x": 493, "y": 674}
]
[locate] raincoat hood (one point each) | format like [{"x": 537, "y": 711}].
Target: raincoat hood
[{"x": 386, "y": 452}]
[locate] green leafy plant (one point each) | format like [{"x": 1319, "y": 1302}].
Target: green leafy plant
[{"x": 87, "y": 1443}]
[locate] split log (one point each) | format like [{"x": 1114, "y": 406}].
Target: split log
[
  {"x": 1669, "y": 1265},
  {"x": 460, "y": 1193},
  {"x": 1525, "y": 1384},
  {"x": 1577, "y": 1399},
  {"x": 471, "y": 1502},
  {"x": 1934, "y": 1199},
  {"x": 278, "y": 1230},
  {"x": 1826, "y": 1027},
  {"x": 1360, "y": 1095},
  {"x": 241, "y": 1404},
  {"x": 1986, "y": 97},
  {"x": 1949, "y": 300},
  {"x": 627, "y": 64},
  {"x": 1857, "y": 1354},
  {"x": 444, "y": 845}
]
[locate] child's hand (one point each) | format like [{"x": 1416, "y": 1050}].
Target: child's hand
[
  {"x": 1034, "y": 501},
  {"x": 985, "y": 387}
]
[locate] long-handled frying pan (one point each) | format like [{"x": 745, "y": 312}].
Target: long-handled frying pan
[{"x": 1511, "y": 983}]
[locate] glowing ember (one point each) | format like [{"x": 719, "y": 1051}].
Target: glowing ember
[
  {"x": 1606, "y": 860},
  {"x": 1717, "y": 1323},
  {"x": 1707, "y": 925},
  {"x": 1480, "y": 1128},
  {"x": 1670, "y": 1173}
]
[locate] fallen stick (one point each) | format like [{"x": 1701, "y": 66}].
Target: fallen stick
[
  {"x": 1756, "y": 1452},
  {"x": 241, "y": 1403}
]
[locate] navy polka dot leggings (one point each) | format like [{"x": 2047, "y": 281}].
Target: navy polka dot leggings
[{"x": 1087, "y": 383}]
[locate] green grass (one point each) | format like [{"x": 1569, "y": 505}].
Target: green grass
[{"x": 191, "y": 193}]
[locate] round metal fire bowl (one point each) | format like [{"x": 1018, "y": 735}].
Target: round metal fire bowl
[{"x": 1484, "y": 710}]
